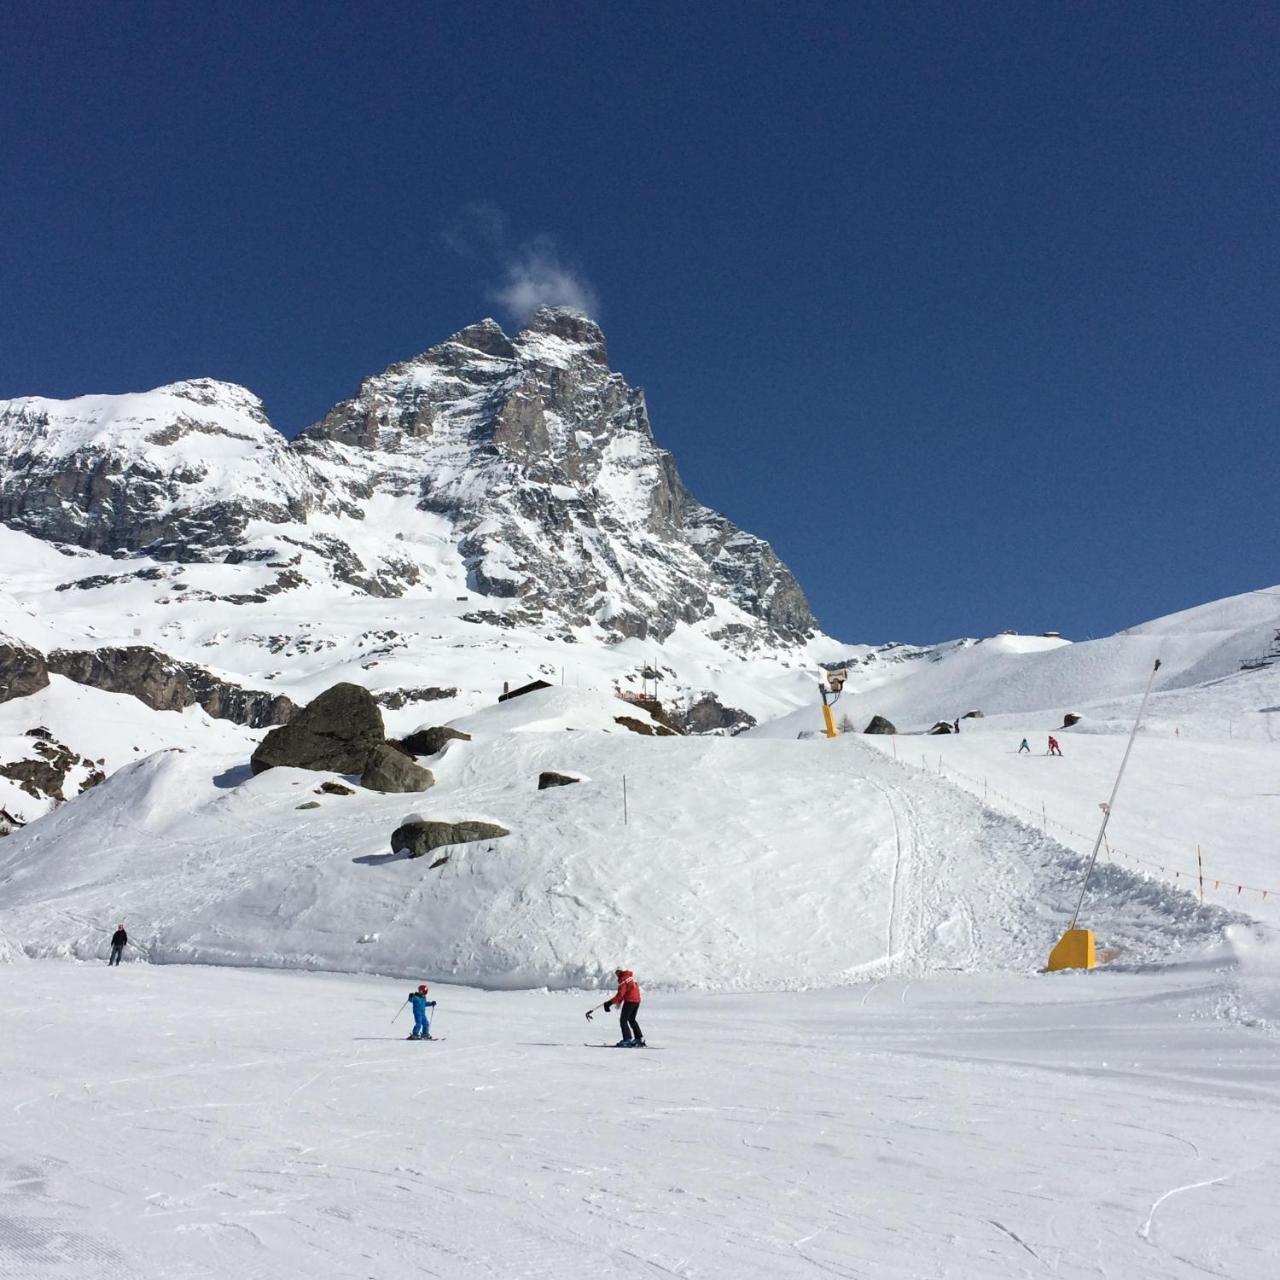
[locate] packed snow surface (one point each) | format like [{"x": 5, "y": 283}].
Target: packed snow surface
[{"x": 192, "y": 1123}]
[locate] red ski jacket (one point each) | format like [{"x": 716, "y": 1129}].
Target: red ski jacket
[{"x": 628, "y": 989}]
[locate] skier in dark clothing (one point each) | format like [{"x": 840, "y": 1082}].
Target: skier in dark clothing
[
  {"x": 119, "y": 940},
  {"x": 1026, "y": 746},
  {"x": 628, "y": 996}
]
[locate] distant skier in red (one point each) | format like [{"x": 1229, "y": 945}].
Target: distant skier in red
[
  {"x": 1054, "y": 749},
  {"x": 628, "y": 997}
]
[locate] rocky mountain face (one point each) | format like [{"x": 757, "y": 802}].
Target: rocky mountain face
[
  {"x": 166, "y": 684},
  {"x": 522, "y": 466}
]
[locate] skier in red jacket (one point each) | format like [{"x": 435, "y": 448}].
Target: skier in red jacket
[{"x": 628, "y": 996}]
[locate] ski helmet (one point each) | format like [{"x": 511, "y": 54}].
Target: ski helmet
[{"x": 422, "y": 987}]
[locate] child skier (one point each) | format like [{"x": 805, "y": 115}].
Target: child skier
[
  {"x": 1054, "y": 749},
  {"x": 628, "y": 997},
  {"x": 1026, "y": 746},
  {"x": 421, "y": 1023}
]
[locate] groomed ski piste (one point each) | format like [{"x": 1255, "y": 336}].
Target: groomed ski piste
[{"x": 863, "y": 1070}]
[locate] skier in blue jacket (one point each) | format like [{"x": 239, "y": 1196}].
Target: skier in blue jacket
[{"x": 421, "y": 1023}]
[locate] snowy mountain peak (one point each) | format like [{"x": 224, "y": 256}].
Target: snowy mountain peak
[
  {"x": 522, "y": 469},
  {"x": 573, "y": 328}
]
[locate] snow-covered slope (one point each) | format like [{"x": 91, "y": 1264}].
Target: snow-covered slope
[
  {"x": 734, "y": 864},
  {"x": 206, "y": 1123},
  {"x": 1200, "y": 678}
]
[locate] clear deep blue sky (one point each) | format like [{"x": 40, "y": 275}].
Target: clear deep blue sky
[{"x": 972, "y": 309}]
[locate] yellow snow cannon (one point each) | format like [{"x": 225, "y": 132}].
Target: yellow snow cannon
[{"x": 830, "y": 692}]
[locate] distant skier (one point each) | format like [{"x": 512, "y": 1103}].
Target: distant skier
[
  {"x": 421, "y": 1022},
  {"x": 119, "y": 940},
  {"x": 1026, "y": 746},
  {"x": 957, "y": 725},
  {"x": 1054, "y": 749},
  {"x": 628, "y": 996}
]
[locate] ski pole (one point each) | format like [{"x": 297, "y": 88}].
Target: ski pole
[
  {"x": 596, "y": 1009},
  {"x": 399, "y": 1011}
]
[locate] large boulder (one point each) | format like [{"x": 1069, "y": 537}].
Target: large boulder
[
  {"x": 336, "y": 732},
  {"x": 549, "y": 778},
  {"x": 22, "y": 669},
  {"x": 878, "y": 724},
  {"x": 943, "y": 726},
  {"x": 390, "y": 770},
  {"x": 418, "y": 836},
  {"x": 426, "y": 742}
]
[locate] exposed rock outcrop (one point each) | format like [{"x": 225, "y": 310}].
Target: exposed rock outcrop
[
  {"x": 167, "y": 684},
  {"x": 878, "y": 724},
  {"x": 338, "y": 732},
  {"x": 51, "y": 770},
  {"x": 394, "y": 699},
  {"x": 22, "y": 669},
  {"x": 646, "y": 727},
  {"x": 390, "y": 770},
  {"x": 419, "y": 836},
  {"x": 709, "y": 715}
]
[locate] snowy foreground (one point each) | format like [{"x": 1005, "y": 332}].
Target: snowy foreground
[{"x": 191, "y": 1122}]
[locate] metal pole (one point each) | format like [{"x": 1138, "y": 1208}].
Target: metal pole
[{"x": 1106, "y": 813}]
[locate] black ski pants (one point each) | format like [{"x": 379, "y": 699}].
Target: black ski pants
[
  {"x": 116, "y": 953},
  {"x": 630, "y": 1027}
]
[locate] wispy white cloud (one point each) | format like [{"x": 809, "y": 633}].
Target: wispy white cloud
[
  {"x": 535, "y": 276},
  {"x": 533, "y": 272}
]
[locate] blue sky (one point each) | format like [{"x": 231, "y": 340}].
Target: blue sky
[{"x": 973, "y": 310}]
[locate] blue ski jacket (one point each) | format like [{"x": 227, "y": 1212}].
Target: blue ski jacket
[{"x": 419, "y": 1001}]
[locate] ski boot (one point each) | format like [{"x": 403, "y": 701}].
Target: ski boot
[{"x": 624, "y": 1044}]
